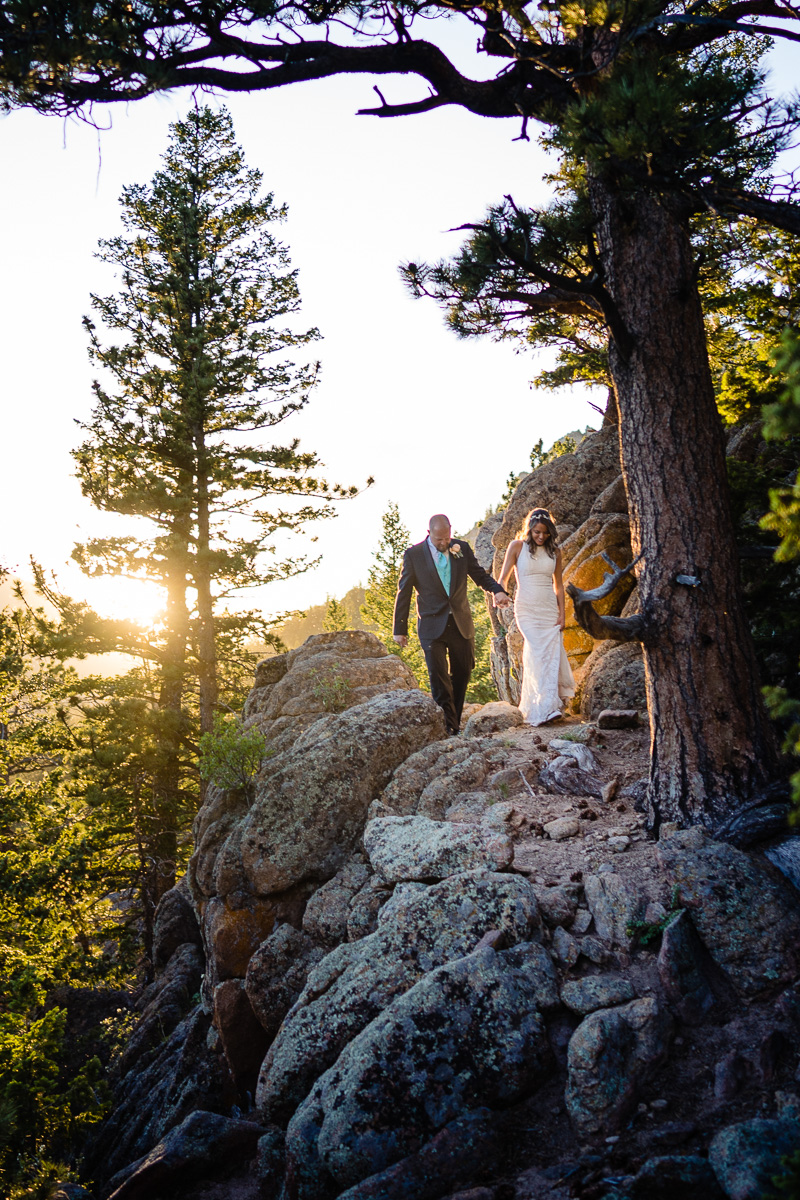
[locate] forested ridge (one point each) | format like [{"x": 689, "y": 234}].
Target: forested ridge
[{"x": 665, "y": 270}]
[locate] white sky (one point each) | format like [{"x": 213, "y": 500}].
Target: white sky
[{"x": 439, "y": 422}]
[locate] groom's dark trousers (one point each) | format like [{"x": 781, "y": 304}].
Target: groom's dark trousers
[{"x": 444, "y": 622}]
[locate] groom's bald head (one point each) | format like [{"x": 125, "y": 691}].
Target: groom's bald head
[{"x": 439, "y": 530}]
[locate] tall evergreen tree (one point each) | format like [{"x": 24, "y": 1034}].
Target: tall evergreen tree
[
  {"x": 335, "y": 618},
  {"x": 194, "y": 352},
  {"x": 378, "y": 607}
]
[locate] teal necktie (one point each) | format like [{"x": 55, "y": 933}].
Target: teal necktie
[{"x": 443, "y": 567}]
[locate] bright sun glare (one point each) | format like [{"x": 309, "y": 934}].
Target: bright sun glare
[{"x": 128, "y": 599}]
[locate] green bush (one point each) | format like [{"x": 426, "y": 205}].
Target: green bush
[{"x": 231, "y": 756}]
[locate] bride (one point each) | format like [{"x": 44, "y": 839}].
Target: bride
[{"x": 547, "y": 677}]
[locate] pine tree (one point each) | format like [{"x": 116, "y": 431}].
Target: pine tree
[
  {"x": 335, "y": 616},
  {"x": 196, "y": 374},
  {"x": 200, "y": 376},
  {"x": 56, "y": 919},
  {"x": 378, "y": 607}
]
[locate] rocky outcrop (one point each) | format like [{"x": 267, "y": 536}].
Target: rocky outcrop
[
  {"x": 612, "y": 677},
  {"x": 359, "y": 980},
  {"x": 745, "y": 1157},
  {"x": 745, "y": 914},
  {"x": 258, "y": 862},
  {"x": 328, "y": 673},
  {"x": 204, "y": 1145},
  {"x": 568, "y": 486},
  {"x": 417, "y": 948},
  {"x": 467, "y": 1034}
]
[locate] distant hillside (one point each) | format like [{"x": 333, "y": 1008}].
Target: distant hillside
[{"x": 295, "y": 631}]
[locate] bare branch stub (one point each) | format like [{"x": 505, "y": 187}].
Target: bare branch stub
[{"x": 619, "y": 629}]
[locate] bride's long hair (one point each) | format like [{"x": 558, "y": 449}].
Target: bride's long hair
[{"x": 540, "y": 516}]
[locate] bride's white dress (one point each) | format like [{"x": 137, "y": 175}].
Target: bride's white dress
[{"x": 547, "y": 677}]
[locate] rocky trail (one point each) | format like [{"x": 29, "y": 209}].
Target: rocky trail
[{"x": 410, "y": 966}]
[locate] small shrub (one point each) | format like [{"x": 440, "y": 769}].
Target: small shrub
[
  {"x": 332, "y": 689},
  {"x": 230, "y": 755},
  {"x": 645, "y": 931}
]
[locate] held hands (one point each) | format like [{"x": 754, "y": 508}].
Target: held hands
[
  {"x": 501, "y": 601},
  {"x": 401, "y": 640}
]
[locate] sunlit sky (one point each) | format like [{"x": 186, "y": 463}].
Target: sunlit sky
[{"x": 439, "y": 422}]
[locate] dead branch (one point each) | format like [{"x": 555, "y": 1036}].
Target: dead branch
[{"x": 619, "y": 629}]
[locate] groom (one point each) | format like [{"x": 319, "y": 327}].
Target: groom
[{"x": 438, "y": 568}]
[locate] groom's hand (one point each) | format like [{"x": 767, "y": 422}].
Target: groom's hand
[
  {"x": 501, "y": 600},
  {"x": 401, "y": 640}
]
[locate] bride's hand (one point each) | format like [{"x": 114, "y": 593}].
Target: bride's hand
[{"x": 561, "y": 623}]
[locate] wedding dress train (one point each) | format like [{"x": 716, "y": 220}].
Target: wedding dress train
[{"x": 547, "y": 677}]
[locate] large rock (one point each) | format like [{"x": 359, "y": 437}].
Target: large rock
[
  {"x": 614, "y": 906},
  {"x": 277, "y": 974},
  {"x": 416, "y": 848},
  {"x": 330, "y": 672},
  {"x": 235, "y": 926},
  {"x": 421, "y": 929},
  {"x": 611, "y": 1054},
  {"x": 484, "y": 546},
  {"x": 747, "y": 1155},
  {"x": 175, "y": 924},
  {"x": 325, "y": 917},
  {"x": 493, "y": 718},
  {"x": 747, "y": 915},
  {"x": 468, "y": 1034},
  {"x": 568, "y": 486},
  {"x": 613, "y": 677},
  {"x": 308, "y": 813},
  {"x": 429, "y": 781},
  {"x": 243, "y": 1038},
  {"x": 683, "y": 967},
  {"x": 676, "y": 1177},
  {"x": 204, "y": 1145},
  {"x": 365, "y": 908},
  {"x": 596, "y": 991},
  {"x": 467, "y": 1147}
]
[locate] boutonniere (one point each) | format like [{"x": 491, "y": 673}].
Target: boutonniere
[{"x": 456, "y": 550}]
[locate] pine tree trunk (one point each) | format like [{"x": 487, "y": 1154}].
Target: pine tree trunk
[
  {"x": 711, "y": 741},
  {"x": 206, "y": 640},
  {"x": 167, "y": 782}
]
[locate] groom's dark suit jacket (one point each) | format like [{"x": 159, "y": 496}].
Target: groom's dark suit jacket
[{"x": 433, "y": 604}]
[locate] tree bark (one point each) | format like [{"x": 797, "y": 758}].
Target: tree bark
[
  {"x": 206, "y": 641},
  {"x": 712, "y": 745},
  {"x": 167, "y": 781}
]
